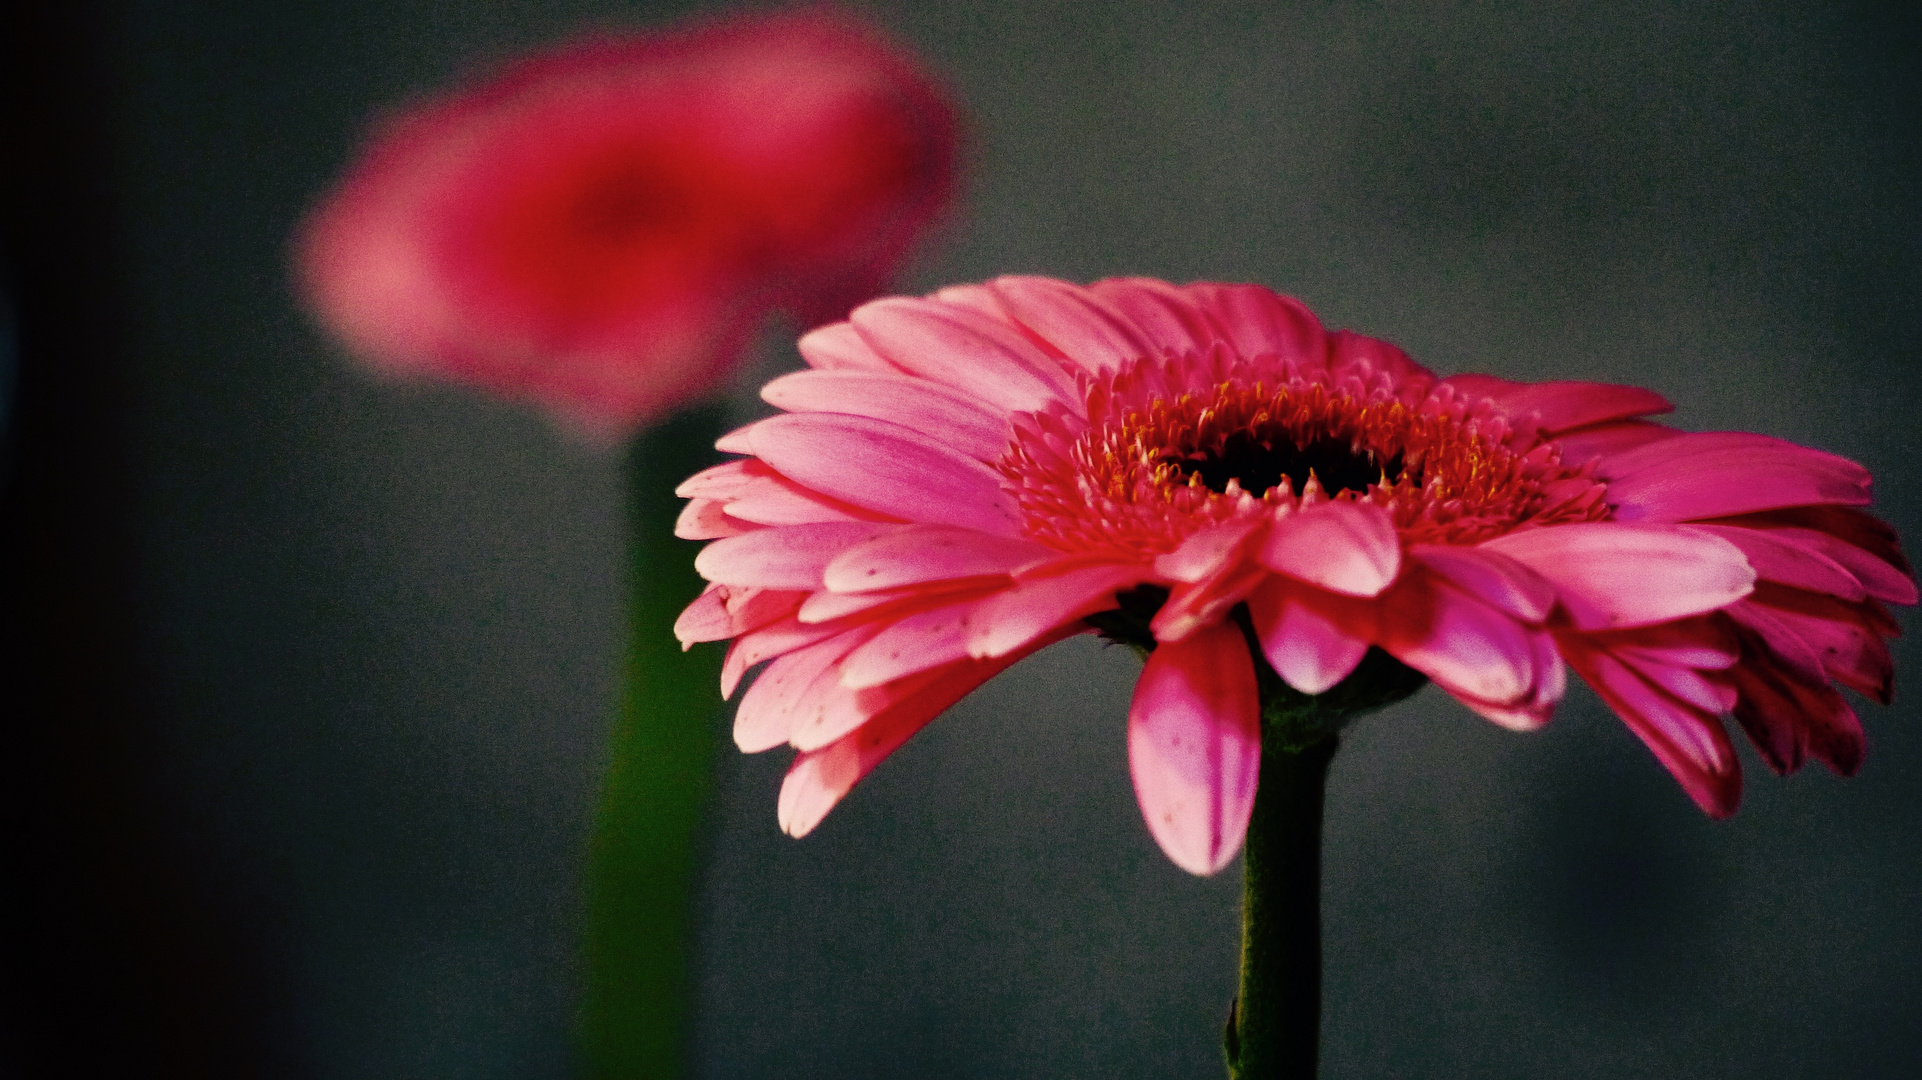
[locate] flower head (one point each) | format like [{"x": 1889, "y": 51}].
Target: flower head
[
  {"x": 965, "y": 478},
  {"x": 601, "y": 227}
]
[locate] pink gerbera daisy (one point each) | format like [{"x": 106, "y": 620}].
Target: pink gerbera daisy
[
  {"x": 1265, "y": 508},
  {"x": 601, "y": 227}
]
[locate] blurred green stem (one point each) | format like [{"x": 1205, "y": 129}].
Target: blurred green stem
[{"x": 643, "y": 856}]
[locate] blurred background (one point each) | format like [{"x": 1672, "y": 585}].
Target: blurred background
[{"x": 312, "y": 675}]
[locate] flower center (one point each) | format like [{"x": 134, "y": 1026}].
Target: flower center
[{"x": 1151, "y": 465}]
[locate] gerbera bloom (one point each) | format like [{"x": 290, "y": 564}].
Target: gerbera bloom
[
  {"x": 601, "y": 227},
  {"x": 1208, "y": 473}
]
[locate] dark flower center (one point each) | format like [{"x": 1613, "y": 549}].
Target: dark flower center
[{"x": 1260, "y": 461}]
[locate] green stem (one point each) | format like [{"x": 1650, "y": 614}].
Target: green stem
[
  {"x": 1275, "y": 1027},
  {"x": 642, "y": 859}
]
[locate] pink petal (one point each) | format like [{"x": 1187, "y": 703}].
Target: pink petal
[
  {"x": 1310, "y": 645},
  {"x": 723, "y": 481},
  {"x": 1192, "y": 606},
  {"x": 1472, "y": 650},
  {"x": 1858, "y": 528},
  {"x": 1607, "y": 439},
  {"x": 1704, "y": 642},
  {"x": 966, "y": 350},
  {"x": 1352, "y": 352},
  {"x": 917, "y": 404},
  {"x": 1194, "y": 747},
  {"x": 886, "y": 468},
  {"x": 1841, "y": 635},
  {"x": 723, "y": 611},
  {"x": 1564, "y": 405},
  {"x": 1079, "y": 325},
  {"x": 767, "y": 642},
  {"x": 1344, "y": 547},
  {"x": 787, "y": 558},
  {"x": 1788, "y": 718},
  {"x": 705, "y": 519},
  {"x": 1160, "y": 313},
  {"x": 1045, "y": 602},
  {"x": 920, "y": 554},
  {"x": 1259, "y": 323},
  {"x": 1492, "y": 578},
  {"x": 768, "y": 711},
  {"x": 1688, "y": 741},
  {"x": 839, "y": 347},
  {"x": 1613, "y": 575},
  {"x": 1716, "y": 474},
  {"x": 1881, "y": 577},
  {"x": 1476, "y": 385},
  {"x": 818, "y": 779},
  {"x": 913, "y": 643},
  {"x": 1780, "y": 559},
  {"x": 776, "y": 500},
  {"x": 1208, "y": 551}
]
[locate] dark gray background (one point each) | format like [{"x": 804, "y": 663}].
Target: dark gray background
[{"x": 334, "y": 660}]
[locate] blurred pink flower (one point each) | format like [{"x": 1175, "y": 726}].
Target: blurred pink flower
[
  {"x": 602, "y": 227},
  {"x": 966, "y": 478}
]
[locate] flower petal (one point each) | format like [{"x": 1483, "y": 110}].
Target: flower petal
[
  {"x": 1779, "y": 559},
  {"x": 1194, "y": 746},
  {"x": 1719, "y": 473},
  {"x": 1082, "y": 327},
  {"x": 793, "y": 557},
  {"x": 1259, "y": 323},
  {"x": 1313, "y": 640},
  {"x": 917, "y": 404},
  {"x": 964, "y": 349},
  {"x": 1474, "y": 651},
  {"x": 920, "y": 554},
  {"x": 769, "y": 710},
  {"x": 1344, "y": 547},
  {"x": 1560, "y": 406},
  {"x": 912, "y": 644},
  {"x": 1160, "y": 313},
  {"x": 1492, "y": 578},
  {"x": 885, "y": 468},
  {"x": 1044, "y": 602},
  {"x": 839, "y": 347},
  {"x": 1689, "y": 741},
  {"x": 1610, "y": 575}
]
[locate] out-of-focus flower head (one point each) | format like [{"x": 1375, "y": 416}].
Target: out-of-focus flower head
[
  {"x": 1206, "y": 472},
  {"x": 602, "y": 227}
]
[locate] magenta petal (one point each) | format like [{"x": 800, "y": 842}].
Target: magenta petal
[
  {"x": 793, "y": 557},
  {"x": 1780, "y": 559},
  {"x": 820, "y": 778},
  {"x": 839, "y": 347},
  {"x": 1688, "y": 741},
  {"x": 1259, "y": 323},
  {"x": 1471, "y": 650},
  {"x": 1607, "y": 439},
  {"x": 964, "y": 349},
  {"x": 1193, "y": 606},
  {"x": 921, "y": 554},
  {"x": 1194, "y": 747},
  {"x": 933, "y": 410},
  {"x": 1039, "y": 605},
  {"x": 885, "y": 468},
  {"x": 1491, "y": 577},
  {"x": 1880, "y": 578},
  {"x": 1613, "y": 575},
  {"x": 1344, "y": 547},
  {"x": 1564, "y": 405},
  {"x": 1309, "y": 645},
  {"x": 1078, "y": 324},
  {"x": 1716, "y": 474},
  {"x": 1161, "y": 313},
  {"x": 1208, "y": 551}
]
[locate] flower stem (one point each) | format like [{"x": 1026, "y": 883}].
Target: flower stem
[
  {"x": 1275, "y": 1026},
  {"x": 642, "y": 860}
]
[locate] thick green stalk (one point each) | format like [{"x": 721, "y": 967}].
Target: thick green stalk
[
  {"x": 1275, "y": 1027},
  {"x": 643, "y": 856}
]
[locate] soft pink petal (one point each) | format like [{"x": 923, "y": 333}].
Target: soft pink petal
[
  {"x": 1043, "y": 603},
  {"x": 1780, "y": 559},
  {"x": 1208, "y": 551},
  {"x": 921, "y": 554},
  {"x": 766, "y": 715},
  {"x": 929, "y": 408},
  {"x": 912, "y": 644},
  {"x": 787, "y": 558},
  {"x": 1079, "y": 325},
  {"x": 1344, "y": 547},
  {"x": 1160, "y": 313},
  {"x": 886, "y": 468},
  {"x": 1310, "y": 645},
  {"x": 966, "y": 350},
  {"x": 1259, "y": 323},
  {"x": 1716, "y": 474},
  {"x": 723, "y": 611},
  {"x": 723, "y": 481},
  {"x": 776, "y": 500},
  {"x": 1614, "y": 575},
  {"x": 1561, "y": 406},
  {"x": 706, "y": 519},
  {"x": 1471, "y": 649},
  {"x": 1492, "y": 578},
  {"x": 1194, "y": 747},
  {"x": 767, "y": 642},
  {"x": 839, "y": 347},
  {"x": 820, "y": 778},
  {"x": 1688, "y": 741},
  {"x": 1191, "y": 606},
  {"x": 1603, "y": 440}
]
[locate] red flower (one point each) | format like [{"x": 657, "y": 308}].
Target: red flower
[
  {"x": 965, "y": 478},
  {"x": 602, "y": 227}
]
